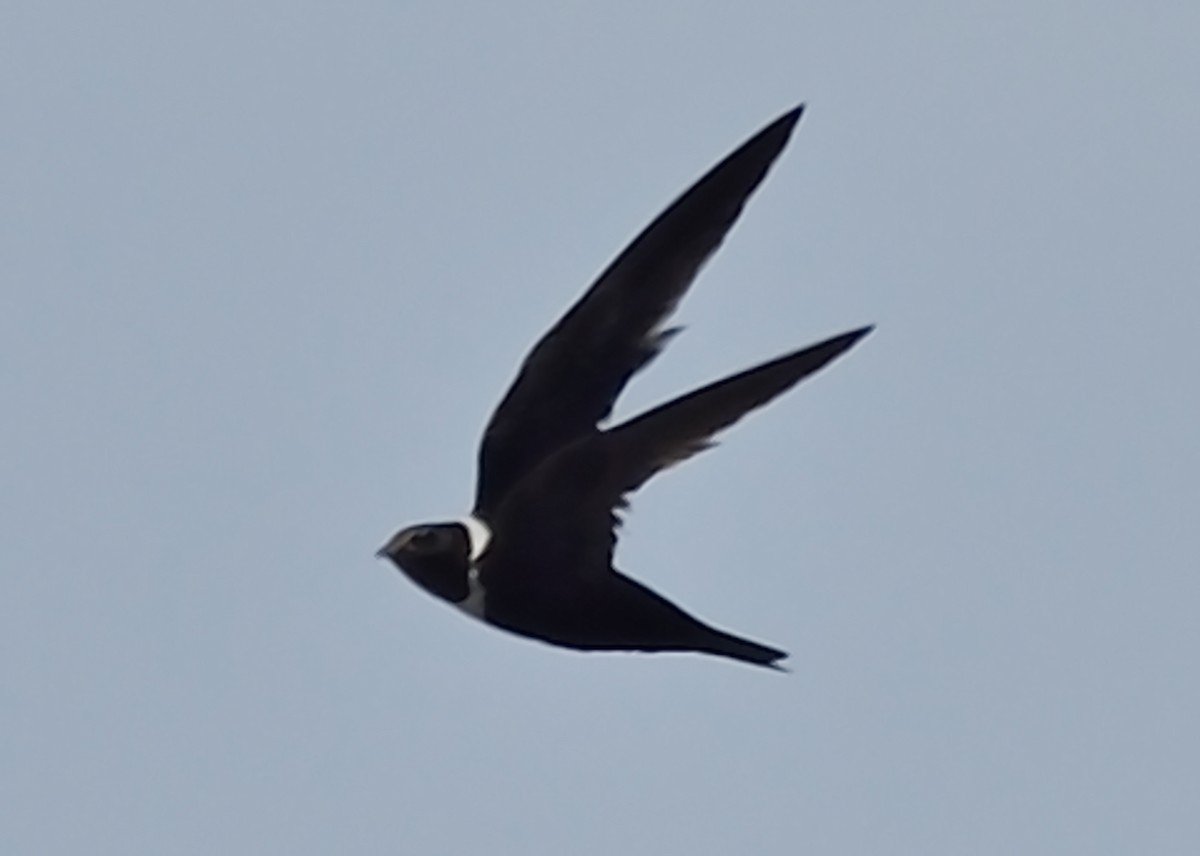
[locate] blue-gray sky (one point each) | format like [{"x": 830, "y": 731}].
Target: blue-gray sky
[{"x": 266, "y": 268}]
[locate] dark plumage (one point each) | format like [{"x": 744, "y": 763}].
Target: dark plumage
[{"x": 535, "y": 556}]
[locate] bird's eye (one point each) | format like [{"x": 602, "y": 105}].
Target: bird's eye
[{"x": 425, "y": 539}]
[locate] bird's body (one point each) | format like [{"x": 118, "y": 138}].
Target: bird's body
[{"x": 535, "y": 556}]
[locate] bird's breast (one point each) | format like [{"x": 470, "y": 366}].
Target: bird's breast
[{"x": 473, "y": 603}]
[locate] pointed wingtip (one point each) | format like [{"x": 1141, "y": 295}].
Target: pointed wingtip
[
  {"x": 775, "y": 134},
  {"x": 787, "y": 122},
  {"x": 837, "y": 345},
  {"x": 806, "y": 361},
  {"x": 860, "y": 333}
]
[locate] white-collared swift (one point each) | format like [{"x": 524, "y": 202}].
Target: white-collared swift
[{"x": 535, "y": 556}]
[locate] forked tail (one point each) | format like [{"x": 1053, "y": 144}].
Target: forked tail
[{"x": 727, "y": 645}]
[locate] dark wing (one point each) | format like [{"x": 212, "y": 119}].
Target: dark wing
[
  {"x": 572, "y": 530},
  {"x": 570, "y": 380}
]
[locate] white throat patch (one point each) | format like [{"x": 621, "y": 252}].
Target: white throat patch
[
  {"x": 478, "y": 534},
  {"x": 480, "y": 537}
]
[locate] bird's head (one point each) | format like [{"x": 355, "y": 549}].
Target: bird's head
[{"x": 438, "y": 556}]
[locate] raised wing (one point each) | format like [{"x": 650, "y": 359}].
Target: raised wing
[
  {"x": 576, "y": 529},
  {"x": 572, "y": 377}
]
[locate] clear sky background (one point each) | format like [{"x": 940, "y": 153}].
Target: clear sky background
[{"x": 266, "y": 268}]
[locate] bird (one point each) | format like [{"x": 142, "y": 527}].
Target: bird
[{"x": 535, "y": 555}]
